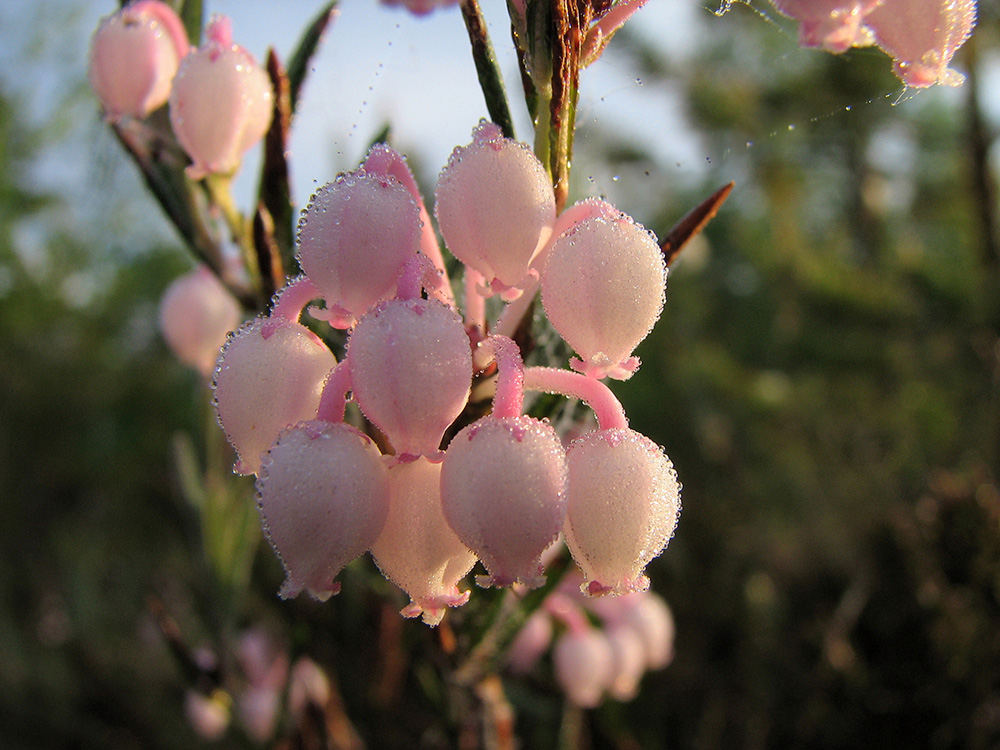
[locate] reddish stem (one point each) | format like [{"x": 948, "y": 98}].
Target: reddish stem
[{"x": 289, "y": 303}]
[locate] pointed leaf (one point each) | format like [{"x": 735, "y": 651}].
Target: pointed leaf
[
  {"x": 275, "y": 194},
  {"x": 298, "y": 65},
  {"x": 692, "y": 223}
]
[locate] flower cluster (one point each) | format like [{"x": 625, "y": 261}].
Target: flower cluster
[
  {"x": 220, "y": 100},
  {"x": 634, "y": 635},
  {"x": 506, "y": 486},
  {"x": 921, "y": 36}
]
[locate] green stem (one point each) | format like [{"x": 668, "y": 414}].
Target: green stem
[
  {"x": 490, "y": 79},
  {"x": 504, "y": 621},
  {"x": 220, "y": 192}
]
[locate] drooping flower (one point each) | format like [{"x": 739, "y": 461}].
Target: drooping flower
[
  {"x": 922, "y": 36},
  {"x": 417, "y": 549},
  {"x": 623, "y": 504},
  {"x": 834, "y": 25},
  {"x": 495, "y": 208},
  {"x": 196, "y": 313},
  {"x": 355, "y": 236},
  {"x": 323, "y": 499},
  {"x": 411, "y": 370},
  {"x": 134, "y": 56},
  {"x": 603, "y": 288},
  {"x": 270, "y": 375},
  {"x": 221, "y": 103}
]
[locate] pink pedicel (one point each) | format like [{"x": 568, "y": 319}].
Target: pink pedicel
[
  {"x": 603, "y": 288},
  {"x": 495, "y": 209},
  {"x": 323, "y": 495},
  {"x": 196, "y": 314},
  {"x": 834, "y": 25},
  {"x": 134, "y": 56},
  {"x": 221, "y": 103},
  {"x": 417, "y": 549},
  {"x": 922, "y": 36},
  {"x": 270, "y": 375},
  {"x": 503, "y": 491},
  {"x": 355, "y": 236},
  {"x": 623, "y": 504},
  {"x": 411, "y": 370}
]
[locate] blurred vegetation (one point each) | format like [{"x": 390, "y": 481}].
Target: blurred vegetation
[{"x": 825, "y": 379}]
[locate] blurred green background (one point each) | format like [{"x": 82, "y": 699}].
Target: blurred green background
[{"x": 825, "y": 378}]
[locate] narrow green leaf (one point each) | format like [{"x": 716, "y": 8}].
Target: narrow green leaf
[
  {"x": 298, "y": 65},
  {"x": 487, "y": 68}
]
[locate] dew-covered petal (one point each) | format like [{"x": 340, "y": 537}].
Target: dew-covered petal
[
  {"x": 495, "y": 207},
  {"x": 134, "y": 55},
  {"x": 263, "y": 383},
  {"x": 323, "y": 495},
  {"x": 417, "y": 550},
  {"x": 220, "y": 106},
  {"x": 411, "y": 370},
  {"x": 624, "y": 500},
  {"x": 922, "y": 36},
  {"x": 503, "y": 492},
  {"x": 603, "y": 289},
  {"x": 355, "y": 236}
]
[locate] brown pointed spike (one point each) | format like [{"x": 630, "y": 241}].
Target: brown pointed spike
[{"x": 692, "y": 223}]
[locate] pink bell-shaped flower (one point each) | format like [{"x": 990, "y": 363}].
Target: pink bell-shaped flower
[
  {"x": 417, "y": 550},
  {"x": 495, "y": 208},
  {"x": 503, "y": 492},
  {"x": 650, "y": 616},
  {"x": 323, "y": 498},
  {"x": 922, "y": 36},
  {"x": 624, "y": 499},
  {"x": 355, "y": 236},
  {"x": 196, "y": 313},
  {"x": 628, "y": 663},
  {"x": 411, "y": 370},
  {"x": 603, "y": 289},
  {"x": 221, "y": 103},
  {"x": 584, "y": 665},
  {"x": 270, "y": 375},
  {"x": 134, "y": 56},
  {"x": 834, "y": 25}
]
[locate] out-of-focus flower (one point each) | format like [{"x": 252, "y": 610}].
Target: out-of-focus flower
[
  {"x": 308, "y": 685},
  {"x": 834, "y": 25},
  {"x": 134, "y": 55},
  {"x": 208, "y": 714},
  {"x": 584, "y": 665},
  {"x": 922, "y": 36},
  {"x": 196, "y": 314},
  {"x": 421, "y": 7},
  {"x": 221, "y": 103}
]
